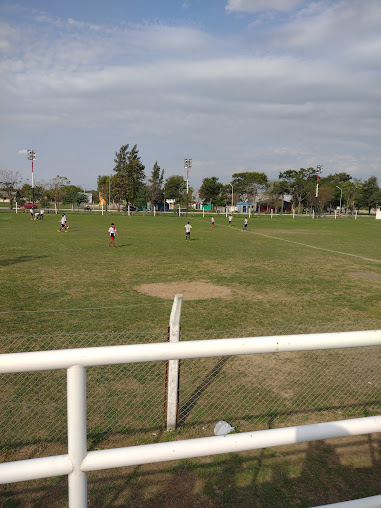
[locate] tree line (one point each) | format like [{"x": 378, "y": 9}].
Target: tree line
[
  {"x": 57, "y": 190},
  {"x": 127, "y": 185}
]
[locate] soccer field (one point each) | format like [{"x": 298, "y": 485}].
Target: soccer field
[
  {"x": 284, "y": 275},
  {"x": 281, "y": 273}
]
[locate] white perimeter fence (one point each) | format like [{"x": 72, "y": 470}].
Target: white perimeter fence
[{"x": 78, "y": 461}]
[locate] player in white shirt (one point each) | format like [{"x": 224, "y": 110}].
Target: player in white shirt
[
  {"x": 230, "y": 219},
  {"x": 187, "y": 228},
  {"x": 212, "y": 220},
  {"x": 245, "y": 224},
  {"x": 112, "y": 234},
  {"x": 63, "y": 223}
]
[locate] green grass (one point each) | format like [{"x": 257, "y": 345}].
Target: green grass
[
  {"x": 286, "y": 276},
  {"x": 278, "y": 272}
]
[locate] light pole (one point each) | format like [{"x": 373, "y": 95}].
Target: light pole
[
  {"x": 231, "y": 185},
  {"x": 341, "y": 195},
  {"x": 187, "y": 165},
  {"x": 31, "y": 157},
  {"x": 319, "y": 169}
]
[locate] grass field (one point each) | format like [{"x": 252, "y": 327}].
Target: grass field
[
  {"x": 283, "y": 275},
  {"x": 280, "y": 272}
]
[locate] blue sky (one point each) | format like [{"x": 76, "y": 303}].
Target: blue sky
[{"x": 236, "y": 85}]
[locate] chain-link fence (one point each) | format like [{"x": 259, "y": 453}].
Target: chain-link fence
[{"x": 251, "y": 391}]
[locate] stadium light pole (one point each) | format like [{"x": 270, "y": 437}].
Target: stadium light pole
[
  {"x": 341, "y": 195},
  {"x": 319, "y": 169},
  {"x": 187, "y": 165},
  {"x": 31, "y": 157}
]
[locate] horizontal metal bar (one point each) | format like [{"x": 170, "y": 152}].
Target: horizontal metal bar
[
  {"x": 33, "y": 469},
  {"x": 65, "y": 358},
  {"x": 190, "y": 448}
]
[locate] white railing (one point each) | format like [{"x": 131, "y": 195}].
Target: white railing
[{"x": 78, "y": 461}]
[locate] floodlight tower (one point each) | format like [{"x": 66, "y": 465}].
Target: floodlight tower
[
  {"x": 31, "y": 157},
  {"x": 319, "y": 169},
  {"x": 187, "y": 166}
]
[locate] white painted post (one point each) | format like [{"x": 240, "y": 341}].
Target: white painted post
[
  {"x": 313, "y": 214},
  {"x": 335, "y": 214},
  {"x": 154, "y": 211},
  {"x": 226, "y": 212},
  {"x": 128, "y": 213},
  {"x": 203, "y": 211},
  {"x": 76, "y": 433},
  {"x": 355, "y": 214},
  {"x": 173, "y": 365},
  {"x": 271, "y": 213},
  {"x": 293, "y": 213},
  {"x": 16, "y": 206},
  {"x": 249, "y": 213},
  {"x": 102, "y": 209}
]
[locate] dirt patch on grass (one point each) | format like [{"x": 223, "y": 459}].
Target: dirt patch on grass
[
  {"x": 197, "y": 290},
  {"x": 366, "y": 275}
]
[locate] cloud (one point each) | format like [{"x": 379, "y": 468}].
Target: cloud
[
  {"x": 271, "y": 97},
  {"x": 252, "y": 6}
]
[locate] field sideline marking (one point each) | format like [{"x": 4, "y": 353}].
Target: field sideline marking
[
  {"x": 300, "y": 243},
  {"x": 84, "y": 308}
]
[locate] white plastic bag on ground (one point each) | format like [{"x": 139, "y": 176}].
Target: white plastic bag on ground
[{"x": 222, "y": 428}]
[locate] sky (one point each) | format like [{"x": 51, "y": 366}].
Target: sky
[{"x": 234, "y": 85}]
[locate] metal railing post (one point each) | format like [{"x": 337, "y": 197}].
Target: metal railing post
[
  {"x": 173, "y": 365},
  {"x": 77, "y": 438}
]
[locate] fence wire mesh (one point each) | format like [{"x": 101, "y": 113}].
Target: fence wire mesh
[{"x": 251, "y": 391}]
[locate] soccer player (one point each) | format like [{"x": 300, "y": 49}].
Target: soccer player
[
  {"x": 245, "y": 224},
  {"x": 230, "y": 219},
  {"x": 112, "y": 234},
  {"x": 187, "y": 228},
  {"x": 64, "y": 226},
  {"x": 212, "y": 219}
]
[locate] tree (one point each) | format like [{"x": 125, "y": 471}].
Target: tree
[
  {"x": 352, "y": 194},
  {"x": 156, "y": 184},
  {"x": 10, "y": 184},
  {"x": 75, "y": 195},
  {"x": 130, "y": 171},
  {"x": 103, "y": 187},
  {"x": 174, "y": 188},
  {"x": 370, "y": 193},
  {"x": 326, "y": 196},
  {"x": 26, "y": 191},
  {"x": 298, "y": 183},
  {"x": 246, "y": 184},
  {"x": 210, "y": 189},
  {"x": 56, "y": 188},
  {"x": 143, "y": 197}
]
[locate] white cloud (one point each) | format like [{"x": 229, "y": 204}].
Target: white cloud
[
  {"x": 304, "y": 90},
  {"x": 251, "y": 6}
]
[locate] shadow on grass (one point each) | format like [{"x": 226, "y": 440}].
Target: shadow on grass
[
  {"x": 187, "y": 407},
  {"x": 19, "y": 259},
  {"x": 302, "y": 475}
]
